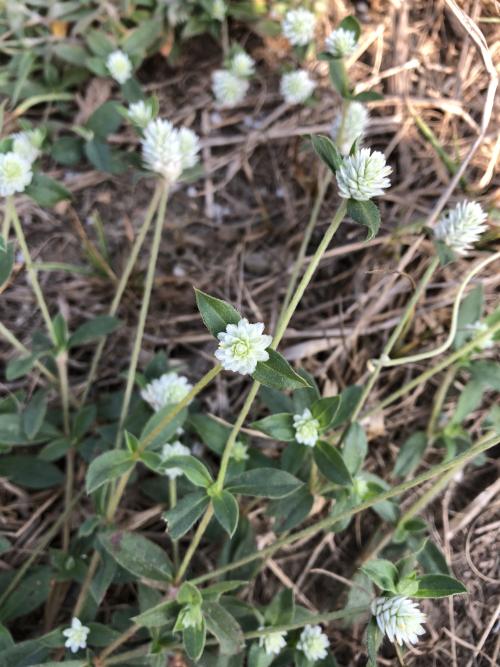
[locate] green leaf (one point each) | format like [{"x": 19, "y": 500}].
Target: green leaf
[
  {"x": 367, "y": 96},
  {"x": 226, "y": 511},
  {"x": 162, "y": 434},
  {"x": 349, "y": 400},
  {"x": 366, "y": 213},
  {"x": 469, "y": 312},
  {"x": 324, "y": 410},
  {"x": 193, "y": 639},
  {"x": 67, "y": 151},
  {"x": 264, "y": 483},
  {"x": 6, "y": 260},
  {"x": 432, "y": 559},
  {"x": 194, "y": 469},
  {"x": 438, "y": 586},
  {"x": 281, "y": 610},
  {"x": 410, "y": 454},
  {"x": 383, "y": 573},
  {"x": 131, "y": 442},
  {"x": 279, "y": 426},
  {"x": 187, "y": 511},
  {"x": 355, "y": 448},
  {"x": 292, "y": 510},
  {"x": 224, "y": 628},
  {"x": 21, "y": 366},
  {"x": 103, "y": 157},
  {"x": 331, "y": 464},
  {"x": 352, "y": 24},
  {"x": 106, "y": 467},
  {"x": 212, "y": 432},
  {"x": 34, "y": 413},
  {"x": 327, "y": 151},
  {"x": 45, "y": 191},
  {"x": 140, "y": 39},
  {"x": 105, "y": 120},
  {"x": 137, "y": 555},
  {"x": 487, "y": 373},
  {"x": 157, "y": 616},
  {"x": 99, "y": 43},
  {"x": 28, "y": 595},
  {"x": 445, "y": 253},
  {"x": 132, "y": 92},
  {"x": 189, "y": 594},
  {"x": 99, "y": 326},
  {"x": 70, "y": 53},
  {"x": 97, "y": 66},
  {"x": 30, "y": 472},
  {"x": 277, "y": 373},
  {"x": 12, "y": 431},
  {"x": 214, "y": 591},
  {"x": 373, "y": 641},
  {"x": 469, "y": 400},
  {"x": 215, "y": 313},
  {"x": 338, "y": 76}
]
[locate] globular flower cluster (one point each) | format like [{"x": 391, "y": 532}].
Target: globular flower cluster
[
  {"x": 296, "y": 87},
  {"x": 28, "y": 144},
  {"x": 242, "y": 65},
  {"x": 167, "y": 389},
  {"x": 231, "y": 85},
  {"x": 478, "y": 328},
  {"x": 119, "y": 66},
  {"x": 16, "y": 166},
  {"x": 313, "y": 643},
  {"x": 298, "y": 26},
  {"x": 242, "y": 346},
  {"x": 349, "y": 126},
  {"x": 273, "y": 643},
  {"x": 167, "y": 150},
  {"x": 363, "y": 175},
  {"x": 76, "y": 636},
  {"x": 306, "y": 428},
  {"x": 218, "y": 10},
  {"x": 340, "y": 42},
  {"x": 461, "y": 227},
  {"x": 140, "y": 113},
  {"x": 170, "y": 450},
  {"x": 399, "y": 618},
  {"x": 239, "y": 452}
]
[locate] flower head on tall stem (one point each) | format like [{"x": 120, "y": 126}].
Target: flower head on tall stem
[
  {"x": 363, "y": 175},
  {"x": 340, "y": 42},
  {"x": 296, "y": 87},
  {"x": 313, "y": 643},
  {"x": 459, "y": 228},
  {"x": 298, "y": 26},
  {"x": 349, "y": 126},
  {"x": 140, "y": 113},
  {"x": 169, "y": 388},
  {"x": 119, "y": 66},
  {"x": 190, "y": 147},
  {"x": 242, "y": 65},
  {"x": 161, "y": 149},
  {"x": 399, "y": 618},
  {"x": 15, "y": 174},
  {"x": 28, "y": 144},
  {"x": 229, "y": 89},
  {"x": 242, "y": 346}
]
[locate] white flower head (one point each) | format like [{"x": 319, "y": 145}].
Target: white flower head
[
  {"x": 190, "y": 147},
  {"x": 140, "y": 113},
  {"x": 306, "y": 428},
  {"x": 363, "y": 175},
  {"x": 15, "y": 173},
  {"x": 298, "y": 26},
  {"x": 167, "y": 389},
  {"x": 229, "y": 89},
  {"x": 399, "y": 618},
  {"x": 27, "y": 144},
  {"x": 239, "y": 452},
  {"x": 174, "y": 449},
  {"x": 273, "y": 642},
  {"x": 76, "y": 636},
  {"x": 161, "y": 149},
  {"x": 478, "y": 328},
  {"x": 218, "y": 10},
  {"x": 340, "y": 42},
  {"x": 459, "y": 228},
  {"x": 242, "y": 346},
  {"x": 313, "y": 643},
  {"x": 242, "y": 65},
  {"x": 296, "y": 87},
  {"x": 349, "y": 127},
  {"x": 119, "y": 66},
  {"x": 177, "y": 12}
]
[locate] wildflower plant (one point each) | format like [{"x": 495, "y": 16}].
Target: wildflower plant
[{"x": 205, "y": 472}]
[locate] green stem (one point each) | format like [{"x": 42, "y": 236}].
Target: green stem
[
  {"x": 439, "y": 399},
  {"x": 172, "y": 499},
  {"x": 7, "y": 217},
  {"x": 30, "y": 270},
  {"x": 62, "y": 367},
  {"x": 16, "y": 344},
  {"x": 146, "y": 297},
  {"x": 120, "y": 288},
  {"x": 200, "y": 531},
  {"x": 486, "y": 443}
]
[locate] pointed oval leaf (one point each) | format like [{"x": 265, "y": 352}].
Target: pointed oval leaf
[
  {"x": 438, "y": 586},
  {"x": 278, "y": 426},
  {"x": 366, "y": 213},
  {"x": 187, "y": 511},
  {"x": 327, "y": 151},
  {"x": 224, "y": 627},
  {"x": 277, "y": 373},
  {"x": 331, "y": 464},
  {"x": 215, "y": 313},
  {"x": 193, "y": 639},
  {"x": 106, "y": 467},
  {"x": 137, "y": 555},
  {"x": 264, "y": 483},
  {"x": 195, "y": 470},
  {"x": 325, "y": 409},
  {"x": 226, "y": 511}
]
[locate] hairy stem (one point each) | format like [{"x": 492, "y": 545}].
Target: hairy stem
[{"x": 172, "y": 500}]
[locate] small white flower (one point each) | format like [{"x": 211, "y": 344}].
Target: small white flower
[
  {"x": 296, "y": 86},
  {"x": 461, "y": 227},
  {"x": 298, "y": 26},
  {"x": 27, "y": 144},
  {"x": 273, "y": 643},
  {"x": 190, "y": 147},
  {"x": 76, "y": 636},
  {"x": 313, "y": 643},
  {"x": 229, "y": 89},
  {"x": 218, "y": 10},
  {"x": 140, "y": 113},
  {"x": 478, "y": 328},
  {"x": 242, "y": 346},
  {"x": 15, "y": 174},
  {"x": 306, "y": 428},
  {"x": 363, "y": 175},
  {"x": 170, "y": 450},
  {"x": 119, "y": 66},
  {"x": 340, "y": 42},
  {"x": 168, "y": 388},
  {"x": 399, "y": 618},
  {"x": 161, "y": 149},
  {"x": 242, "y": 65},
  {"x": 351, "y": 127},
  {"x": 240, "y": 451}
]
